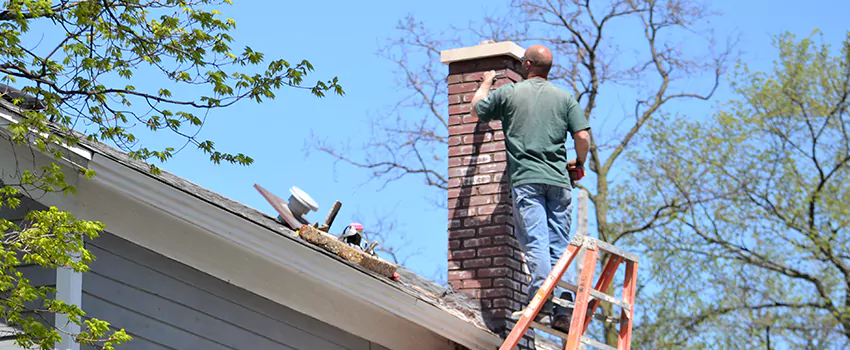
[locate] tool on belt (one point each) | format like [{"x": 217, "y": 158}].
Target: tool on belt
[{"x": 353, "y": 236}]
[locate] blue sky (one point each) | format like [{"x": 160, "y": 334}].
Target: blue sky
[{"x": 341, "y": 39}]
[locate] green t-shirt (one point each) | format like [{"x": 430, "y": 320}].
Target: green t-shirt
[{"x": 537, "y": 118}]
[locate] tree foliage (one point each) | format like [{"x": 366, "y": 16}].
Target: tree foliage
[
  {"x": 765, "y": 242},
  {"x": 79, "y": 62}
]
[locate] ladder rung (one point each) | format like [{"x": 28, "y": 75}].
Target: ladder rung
[
  {"x": 597, "y": 295},
  {"x": 564, "y": 303},
  {"x": 608, "y": 247},
  {"x": 551, "y": 331},
  {"x": 571, "y": 305},
  {"x": 564, "y": 336},
  {"x": 596, "y": 344}
]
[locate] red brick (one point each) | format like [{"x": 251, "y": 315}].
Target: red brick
[
  {"x": 501, "y": 197},
  {"x": 462, "y": 129},
  {"x": 480, "y": 179},
  {"x": 480, "y": 200},
  {"x": 494, "y": 272},
  {"x": 455, "y": 161},
  {"x": 463, "y": 254},
  {"x": 477, "y": 138},
  {"x": 513, "y": 76},
  {"x": 479, "y": 76},
  {"x": 493, "y": 251},
  {"x": 487, "y": 189},
  {"x": 454, "y": 265},
  {"x": 454, "y": 244},
  {"x": 457, "y": 234},
  {"x": 460, "y": 109},
  {"x": 456, "y": 284},
  {"x": 508, "y": 303},
  {"x": 505, "y": 239},
  {"x": 476, "y": 221},
  {"x": 459, "y": 150},
  {"x": 476, "y": 283},
  {"x": 453, "y": 203},
  {"x": 499, "y": 313},
  {"x": 503, "y": 208},
  {"x": 500, "y": 82},
  {"x": 485, "y": 304},
  {"x": 518, "y": 275},
  {"x": 496, "y": 292},
  {"x": 494, "y": 230},
  {"x": 454, "y": 193},
  {"x": 462, "y": 87},
  {"x": 492, "y": 147},
  {"x": 506, "y": 261},
  {"x": 461, "y": 212},
  {"x": 488, "y": 168},
  {"x": 470, "y": 119},
  {"x": 499, "y": 135},
  {"x": 454, "y": 78},
  {"x": 500, "y": 157},
  {"x": 507, "y": 282},
  {"x": 476, "y": 242},
  {"x": 473, "y": 263},
  {"x": 502, "y": 219},
  {"x": 487, "y": 209},
  {"x": 455, "y": 140},
  {"x": 519, "y": 296},
  {"x": 455, "y": 223},
  {"x": 498, "y": 177},
  {"x": 454, "y": 120},
  {"x": 475, "y": 293},
  {"x": 518, "y": 254},
  {"x": 476, "y": 159},
  {"x": 454, "y": 183},
  {"x": 460, "y": 171},
  {"x": 467, "y": 98},
  {"x": 491, "y": 126},
  {"x": 461, "y": 275},
  {"x": 455, "y": 99}
]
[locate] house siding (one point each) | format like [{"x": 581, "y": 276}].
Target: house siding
[{"x": 164, "y": 304}]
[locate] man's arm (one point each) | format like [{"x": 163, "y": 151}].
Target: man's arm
[
  {"x": 582, "y": 144},
  {"x": 482, "y": 92}
]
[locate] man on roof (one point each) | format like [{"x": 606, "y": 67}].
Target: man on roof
[{"x": 536, "y": 117}]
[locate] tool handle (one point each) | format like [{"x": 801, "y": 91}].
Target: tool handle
[{"x": 331, "y": 216}]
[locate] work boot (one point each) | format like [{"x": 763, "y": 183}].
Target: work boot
[{"x": 561, "y": 323}]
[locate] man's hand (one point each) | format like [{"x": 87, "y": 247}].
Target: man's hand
[
  {"x": 489, "y": 76},
  {"x": 483, "y": 90},
  {"x": 576, "y": 170}
]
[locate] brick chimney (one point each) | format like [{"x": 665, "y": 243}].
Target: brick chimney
[{"x": 485, "y": 260}]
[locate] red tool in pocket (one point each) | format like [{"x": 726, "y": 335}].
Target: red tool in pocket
[{"x": 576, "y": 173}]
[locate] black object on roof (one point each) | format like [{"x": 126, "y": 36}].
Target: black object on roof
[{"x": 27, "y": 101}]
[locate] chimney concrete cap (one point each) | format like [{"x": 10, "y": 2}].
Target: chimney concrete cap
[{"x": 484, "y": 49}]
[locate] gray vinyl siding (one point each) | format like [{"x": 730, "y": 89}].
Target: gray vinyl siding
[{"x": 164, "y": 304}]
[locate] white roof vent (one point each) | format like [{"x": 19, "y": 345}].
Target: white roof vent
[{"x": 300, "y": 203}]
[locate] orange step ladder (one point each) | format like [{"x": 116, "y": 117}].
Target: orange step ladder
[{"x": 587, "y": 299}]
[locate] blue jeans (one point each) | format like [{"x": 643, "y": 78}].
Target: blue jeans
[{"x": 542, "y": 217}]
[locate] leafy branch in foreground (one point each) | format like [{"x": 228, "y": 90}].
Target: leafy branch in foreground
[{"x": 114, "y": 71}]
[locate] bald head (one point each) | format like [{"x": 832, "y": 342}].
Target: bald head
[{"x": 540, "y": 60}]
